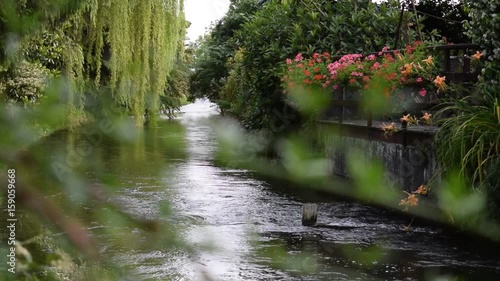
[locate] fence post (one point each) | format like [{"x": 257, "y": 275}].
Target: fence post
[{"x": 309, "y": 214}]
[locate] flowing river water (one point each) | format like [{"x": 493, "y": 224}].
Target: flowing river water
[{"x": 242, "y": 227}]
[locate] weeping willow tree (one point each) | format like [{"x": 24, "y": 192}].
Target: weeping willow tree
[
  {"x": 177, "y": 90},
  {"x": 128, "y": 46},
  {"x": 125, "y": 47}
]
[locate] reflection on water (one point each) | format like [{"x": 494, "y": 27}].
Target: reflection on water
[{"x": 244, "y": 228}]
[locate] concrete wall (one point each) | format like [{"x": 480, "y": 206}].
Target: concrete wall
[{"x": 408, "y": 166}]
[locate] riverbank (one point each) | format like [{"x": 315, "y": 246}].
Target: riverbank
[
  {"x": 235, "y": 224},
  {"x": 48, "y": 237}
]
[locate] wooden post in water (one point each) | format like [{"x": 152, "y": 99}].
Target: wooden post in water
[{"x": 309, "y": 214}]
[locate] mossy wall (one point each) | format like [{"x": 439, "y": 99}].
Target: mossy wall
[{"x": 407, "y": 166}]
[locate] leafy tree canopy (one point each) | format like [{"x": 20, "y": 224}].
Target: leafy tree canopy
[{"x": 277, "y": 30}]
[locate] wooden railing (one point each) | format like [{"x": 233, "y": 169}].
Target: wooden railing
[{"x": 457, "y": 62}]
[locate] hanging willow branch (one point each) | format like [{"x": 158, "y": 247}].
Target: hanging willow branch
[{"x": 127, "y": 45}]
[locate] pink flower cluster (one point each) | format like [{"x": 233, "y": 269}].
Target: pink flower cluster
[
  {"x": 375, "y": 66},
  {"x": 371, "y": 57},
  {"x": 342, "y": 63},
  {"x": 384, "y": 49}
]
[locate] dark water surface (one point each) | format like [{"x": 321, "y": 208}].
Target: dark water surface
[{"x": 245, "y": 228}]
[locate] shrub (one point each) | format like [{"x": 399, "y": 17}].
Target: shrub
[
  {"x": 446, "y": 17},
  {"x": 25, "y": 82},
  {"x": 281, "y": 29},
  {"x": 469, "y": 140},
  {"x": 483, "y": 29}
]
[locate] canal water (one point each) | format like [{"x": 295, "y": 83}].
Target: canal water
[{"x": 234, "y": 225}]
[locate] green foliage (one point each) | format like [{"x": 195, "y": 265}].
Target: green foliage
[
  {"x": 371, "y": 185},
  {"x": 229, "y": 92},
  {"x": 97, "y": 44},
  {"x": 93, "y": 40},
  {"x": 24, "y": 82},
  {"x": 148, "y": 27},
  {"x": 459, "y": 201},
  {"x": 483, "y": 29},
  {"x": 469, "y": 141},
  {"x": 469, "y": 138},
  {"x": 279, "y": 30},
  {"x": 447, "y": 17},
  {"x": 265, "y": 43},
  {"x": 64, "y": 170},
  {"x": 46, "y": 48},
  {"x": 213, "y": 52},
  {"x": 177, "y": 89},
  {"x": 50, "y": 51},
  {"x": 21, "y": 18},
  {"x": 370, "y": 28}
]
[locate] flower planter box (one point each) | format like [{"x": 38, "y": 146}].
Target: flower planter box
[{"x": 411, "y": 72}]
